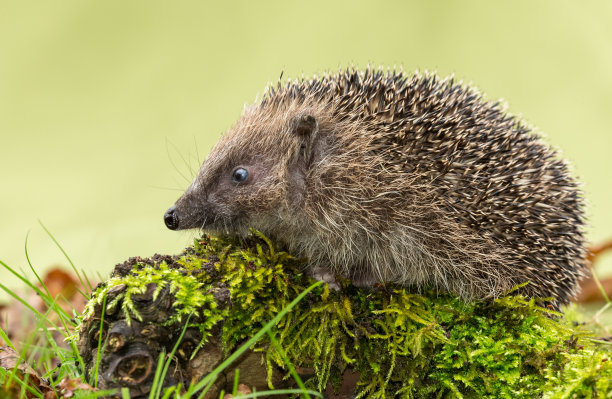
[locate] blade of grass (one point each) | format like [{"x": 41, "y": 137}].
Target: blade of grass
[
  {"x": 171, "y": 355},
  {"x": 236, "y": 377},
  {"x": 6, "y": 339},
  {"x": 600, "y": 287},
  {"x": 168, "y": 392},
  {"x": 67, "y": 258},
  {"x": 99, "y": 350},
  {"x": 27, "y": 255},
  {"x": 190, "y": 392},
  {"x": 158, "y": 371},
  {"x": 287, "y": 362},
  {"x": 602, "y": 310},
  {"x": 89, "y": 285}
]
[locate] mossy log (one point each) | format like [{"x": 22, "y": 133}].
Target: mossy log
[{"x": 380, "y": 343}]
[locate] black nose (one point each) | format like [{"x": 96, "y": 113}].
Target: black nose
[{"x": 171, "y": 218}]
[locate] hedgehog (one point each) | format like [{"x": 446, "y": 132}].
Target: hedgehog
[{"x": 386, "y": 178}]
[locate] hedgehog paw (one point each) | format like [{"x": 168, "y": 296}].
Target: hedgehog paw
[{"x": 326, "y": 276}]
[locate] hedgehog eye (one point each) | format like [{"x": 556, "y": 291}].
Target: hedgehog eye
[{"x": 239, "y": 175}]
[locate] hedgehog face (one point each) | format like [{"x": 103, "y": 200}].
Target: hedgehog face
[
  {"x": 246, "y": 179},
  {"x": 223, "y": 195}
]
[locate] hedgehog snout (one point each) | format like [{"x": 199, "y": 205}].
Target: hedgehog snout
[
  {"x": 192, "y": 210},
  {"x": 171, "y": 218}
]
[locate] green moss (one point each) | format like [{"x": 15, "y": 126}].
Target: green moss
[{"x": 402, "y": 344}]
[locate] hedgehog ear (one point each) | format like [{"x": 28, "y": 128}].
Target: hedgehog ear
[{"x": 305, "y": 126}]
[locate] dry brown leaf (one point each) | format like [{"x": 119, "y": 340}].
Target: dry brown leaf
[{"x": 10, "y": 361}]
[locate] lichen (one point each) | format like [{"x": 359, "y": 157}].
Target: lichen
[{"x": 402, "y": 344}]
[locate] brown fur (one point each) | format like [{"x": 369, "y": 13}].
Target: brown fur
[{"x": 385, "y": 178}]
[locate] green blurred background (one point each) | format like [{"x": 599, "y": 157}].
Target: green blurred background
[{"x": 100, "y": 99}]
